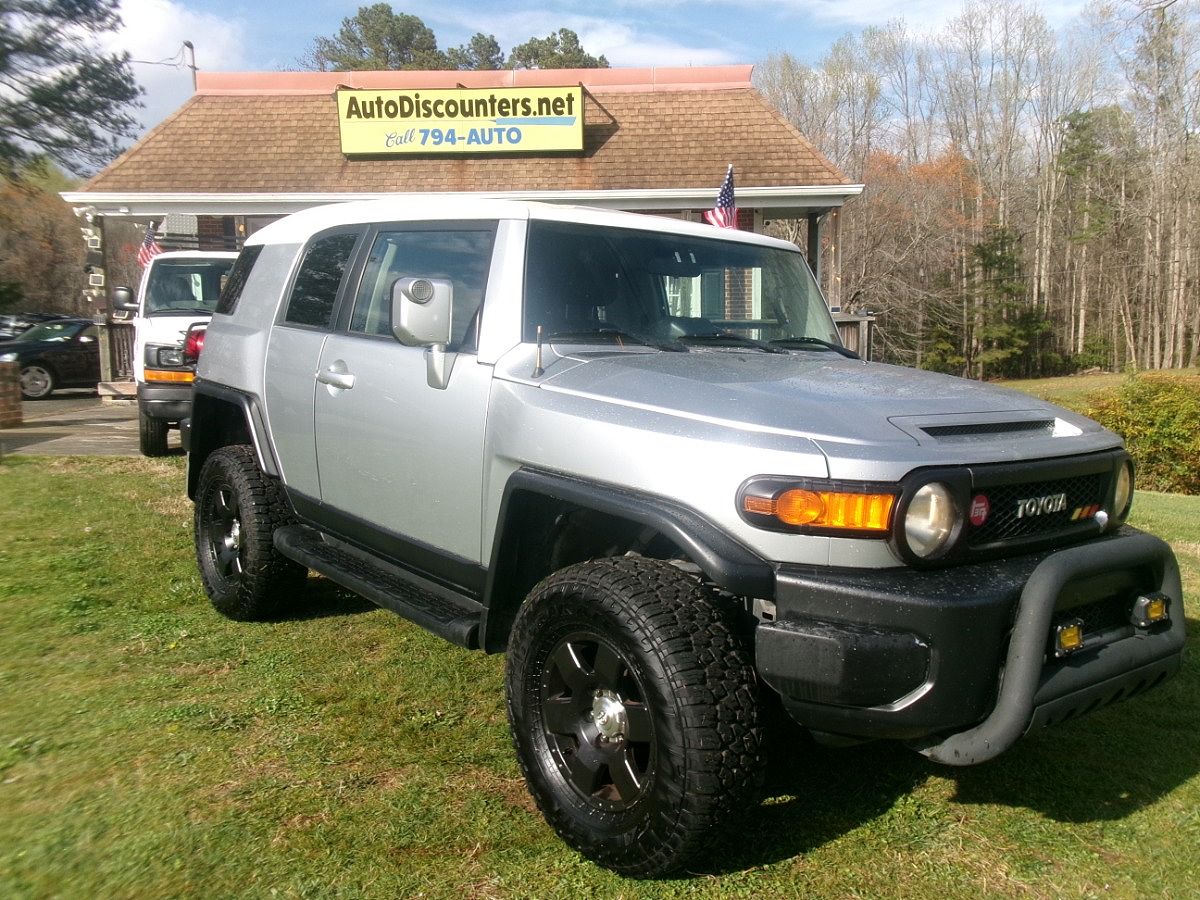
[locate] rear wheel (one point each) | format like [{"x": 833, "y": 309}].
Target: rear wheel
[
  {"x": 633, "y": 709},
  {"x": 238, "y": 509},
  {"x": 152, "y": 434},
  {"x": 37, "y": 381}
]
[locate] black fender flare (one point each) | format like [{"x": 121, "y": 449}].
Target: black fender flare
[
  {"x": 209, "y": 428},
  {"x": 724, "y": 560}
]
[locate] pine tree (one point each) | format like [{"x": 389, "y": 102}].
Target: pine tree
[{"x": 63, "y": 98}]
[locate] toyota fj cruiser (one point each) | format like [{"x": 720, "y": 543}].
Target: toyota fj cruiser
[{"x": 633, "y": 453}]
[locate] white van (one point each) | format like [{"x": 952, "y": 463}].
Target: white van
[{"x": 179, "y": 289}]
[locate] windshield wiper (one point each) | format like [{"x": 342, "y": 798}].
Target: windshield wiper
[
  {"x": 614, "y": 336},
  {"x": 728, "y": 339},
  {"x": 798, "y": 343}
]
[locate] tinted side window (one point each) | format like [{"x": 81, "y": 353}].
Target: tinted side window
[
  {"x": 238, "y": 276},
  {"x": 316, "y": 287},
  {"x": 461, "y": 255}
]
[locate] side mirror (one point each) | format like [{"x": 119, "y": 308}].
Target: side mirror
[
  {"x": 421, "y": 311},
  {"x": 123, "y": 299}
]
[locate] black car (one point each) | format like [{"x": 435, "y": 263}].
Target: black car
[{"x": 59, "y": 353}]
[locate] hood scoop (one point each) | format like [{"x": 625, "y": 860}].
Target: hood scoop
[
  {"x": 969, "y": 431},
  {"x": 984, "y": 427}
]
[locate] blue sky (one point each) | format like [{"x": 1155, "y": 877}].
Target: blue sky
[{"x": 266, "y": 35}]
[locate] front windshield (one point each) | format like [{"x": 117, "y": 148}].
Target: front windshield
[
  {"x": 53, "y": 331},
  {"x": 598, "y": 284},
  {"x": 185, "y": 285}
]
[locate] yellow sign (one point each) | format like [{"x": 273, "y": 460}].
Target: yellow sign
[{"x": 467, "y": 120}]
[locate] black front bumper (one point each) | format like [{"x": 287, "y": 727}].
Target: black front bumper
[
  {"x": 963, "y": 652},
  {"x": 172, "y": 402}
]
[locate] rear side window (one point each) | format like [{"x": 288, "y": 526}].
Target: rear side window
[
  {"x": 238, "y": 276},
  {"x": 317, "y": 282}
]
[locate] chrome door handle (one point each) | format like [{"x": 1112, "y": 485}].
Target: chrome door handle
[{"x": 334, "y": 378}]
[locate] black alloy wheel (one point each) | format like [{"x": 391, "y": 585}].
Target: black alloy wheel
[
  {"x": 633, "y": 706},
  {"x": 597, "y": 726},
  {"x": 238, "y": 509}
]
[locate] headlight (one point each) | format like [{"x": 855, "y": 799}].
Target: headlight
[
  {"x": 170, "y": 356},
  {"x": 1122, "y": 493},
  {"x": 931, "y": 520},
  {"x": 8, "y": 357}
]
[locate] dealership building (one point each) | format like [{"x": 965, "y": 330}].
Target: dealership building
[{"x": 249, "y": 147}]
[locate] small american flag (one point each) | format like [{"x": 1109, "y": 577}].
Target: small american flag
[
  {"x": 724, "y": 215},
  {"x": 149, "y": 248}
]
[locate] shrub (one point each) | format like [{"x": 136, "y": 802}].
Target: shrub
[{"x": 1159, "y": 417}]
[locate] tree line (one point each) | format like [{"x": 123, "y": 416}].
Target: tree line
[
  {"x": 1031, "y": 193},
  {"x": 377, "y": 38}
]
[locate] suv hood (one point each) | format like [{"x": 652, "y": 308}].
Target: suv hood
[{"x": 823, "y": 397}]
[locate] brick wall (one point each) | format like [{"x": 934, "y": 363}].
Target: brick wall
[
  {"x": 10, "y": 395},
  {"x": 216, "y": 233}
]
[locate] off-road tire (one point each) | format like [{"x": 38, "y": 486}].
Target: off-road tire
[
  {"x": 667, "y": 660},
  {"x": 37, "y": 381},
  {"x": 152, "y": 435},
  {"x": 237, "y": 511}
]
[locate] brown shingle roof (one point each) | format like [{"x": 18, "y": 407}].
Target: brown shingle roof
[{"x": 636, "y": 137}]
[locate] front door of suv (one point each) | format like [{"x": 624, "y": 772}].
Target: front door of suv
[{"x": 400, "y": 462}]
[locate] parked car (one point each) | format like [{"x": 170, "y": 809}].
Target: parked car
[
  {"x": 15, "y": 324},
  {"x": 59, "y": 353}
]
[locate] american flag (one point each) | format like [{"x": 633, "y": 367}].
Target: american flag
[
  {"x": 149, "y": 248},
  {"x": 724, "y": 215}
]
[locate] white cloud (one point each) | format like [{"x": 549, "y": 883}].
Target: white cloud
[
  {"x": 622, "y": 45},
  {"x": 154, "y": 30}
]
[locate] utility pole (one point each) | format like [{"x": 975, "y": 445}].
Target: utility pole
[{"x": 191, "y": 61}]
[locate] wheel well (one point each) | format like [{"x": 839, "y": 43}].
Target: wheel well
[
  {"x": 215, "y": 423},
  {"x": 543, "y": 534}
]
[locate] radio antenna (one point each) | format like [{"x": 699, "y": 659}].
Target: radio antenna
[{"x": 537, "y": 359}]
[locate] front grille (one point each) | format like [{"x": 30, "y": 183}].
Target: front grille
[
  {"x": 1004, "y": 522},
  {"x": 1100, "y": 615}
]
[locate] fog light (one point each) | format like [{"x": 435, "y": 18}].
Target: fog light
[
  {"x": 1149, "y": 609},
  {"x": 1068, "y": 637}
]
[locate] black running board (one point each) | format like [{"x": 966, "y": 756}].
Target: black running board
[{"x": 435, "y": 608}]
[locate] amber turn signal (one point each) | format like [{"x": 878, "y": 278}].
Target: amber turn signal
[
  {"x": 825, "y": 509},
  {"x": 163, "y": 375}
]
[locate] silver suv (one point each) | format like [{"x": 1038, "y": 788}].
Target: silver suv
[{"x": 632, "y": 453}]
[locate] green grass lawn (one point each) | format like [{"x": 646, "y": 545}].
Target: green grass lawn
[{"x": 150, "y": 748}]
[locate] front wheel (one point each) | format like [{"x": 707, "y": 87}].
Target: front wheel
[
  {"x": 238, "y": 509},
  {"x": 37, "y": 381},
  {"x": 152, "y": 435},
  {"x": 633, "y": 709}
]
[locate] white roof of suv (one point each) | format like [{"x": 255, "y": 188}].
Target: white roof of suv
[{"x": 298, "y": 227}]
